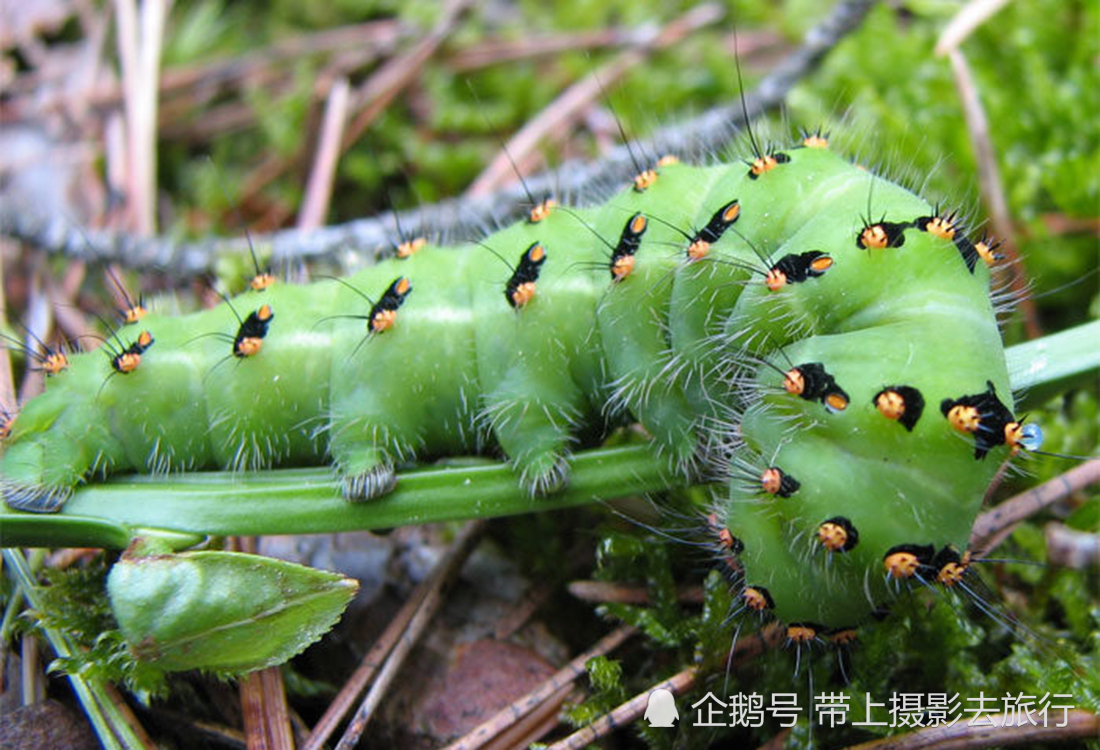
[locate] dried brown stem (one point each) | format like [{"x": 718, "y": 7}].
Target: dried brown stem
[
  {"x": 497, "y": 51},
  {"x": 992, "y": 189},
  {"x": 606, "y": 591},
  {"x": 266, "y": 716},
  {"x": 993, "y": 525},
  {"x": 397, "y": 640},
  {"x": 319, "y": 187}
]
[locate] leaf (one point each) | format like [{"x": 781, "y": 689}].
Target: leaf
[{"x": 223, "y": 611}]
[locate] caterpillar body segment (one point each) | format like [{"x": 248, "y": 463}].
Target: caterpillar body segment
[{"x": 695, "y": 341}]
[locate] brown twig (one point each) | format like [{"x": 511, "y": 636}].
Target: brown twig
[
  {"x": 993, "y": 525},
  {"x": 705, "y": 133},
  {"x": 558, "y": 685},
  {"x": 266, "y": 717},
  {"x": 397, "y": 640},
  {"x": 972, "y": 15},
  {"x": 497, "y": 51},
  {"x": 371, "y": 98},
  {"x": 992, "y": 189},
  {"x": 960, "y": 736},
  {"x": 569, "y": 105},
  {"x": 606, "y": 591},
  {"x": 319, "y": 187}
]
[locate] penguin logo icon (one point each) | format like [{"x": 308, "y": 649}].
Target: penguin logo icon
[{"x": 661, "y": 710}]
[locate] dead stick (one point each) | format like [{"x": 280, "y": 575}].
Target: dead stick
[
  {"x": 319, "y": 187},
  {"x": 990, "y": 524},
  {"x": 992, "y": 189},
  {"x": 446, "y": 570}
]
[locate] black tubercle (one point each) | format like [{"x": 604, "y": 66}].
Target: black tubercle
[
  {"x": 629, "y": 241},
  {"x": 967, "y": 250},
  {"x": 849, "y": 529},
  {"x": 722, "y": 220},
  {"x": 913, "y": 400},
  {"x": 392, "y": 298},
  {"x": 527, "y": 272},
  {"x": 799, "y": 267},
  {"x": 993, "y": 417},
  {"x": 253, "y": 327},
  {"x": 923, "y": 552},
  {"x": 947, "y": 554},
  {"x": 819, "y": 384},
  {"x": 895, "y": 232}
]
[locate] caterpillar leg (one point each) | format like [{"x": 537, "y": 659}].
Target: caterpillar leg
[
  {"x": 47, "y": 453},
  {"x": 365, "y": 474},
  {"x": 535, "y": 435},
  {"x": 25, "y": 481}
]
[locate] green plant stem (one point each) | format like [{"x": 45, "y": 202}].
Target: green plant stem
[{"x": 183, "y": 509}]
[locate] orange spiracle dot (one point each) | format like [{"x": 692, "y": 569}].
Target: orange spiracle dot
[
  {"x": 775, "y": 280},
  {"x": 763, "y": 164},
  {"x": 964, "y": 418},
  {"x": 771, "y": 480},
  {"x": 801, "y": 633},
  {"x": 844, "y": 637},
  {"x": 622, "y": 267},
  {"x": 832, "y": 536},
  {"x": 836, "y": 401},
  {"x": 987, "y": 250},
  {"x": 942, "y": 227},
  {"x": 890, "y": 404},
  {"x": 541, "y": 211},
  {"x": 409, "y": 247},
  {"x": 383, "y": 320},
  {"x": 55, "y": 363},
  {"x": 794, "y": 382},
  {"x": 874, "y": 237},
  {"x": 134, "y": 314},
  {"x": 1014, "y": 433},
  {"x": 952, "y": 572},
  {"x": 523, "y": 294},
  {"x": 127, "y": 362},
  {"x": 901, "y": 564},
  {"x": 698, "y": 250},
  {"x": 645, "y": 180},
  {"x": 756, "y": 599}
]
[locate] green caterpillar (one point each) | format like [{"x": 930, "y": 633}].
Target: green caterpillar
[{"x": 821, "y": 337}]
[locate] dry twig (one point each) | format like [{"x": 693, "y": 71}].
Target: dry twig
[
  {"x": 993, "y": 525},
  {"x": 266, "y": 717}
]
